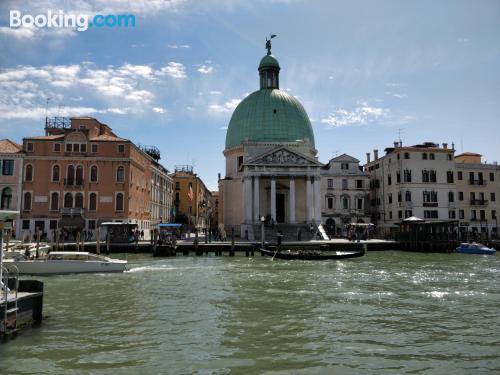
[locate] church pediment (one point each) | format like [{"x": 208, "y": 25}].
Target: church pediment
[{"x": 284, "y": 157}]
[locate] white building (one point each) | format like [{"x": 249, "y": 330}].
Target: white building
[
  {"x": 412, "y": 181},
  {"x": 345, "y": 189}
]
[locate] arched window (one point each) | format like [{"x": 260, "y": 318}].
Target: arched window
[
  {"x": 28, "y": 176},
  {"x": 6, "y": 198},
  {"x": 93, "y": 202},
  {"x": 408, "y": 196},
  {"x": 93, "y": 173},
  {"x": 119, "y": 202},
  {"x": 68, "y": 200},
  {"x": 54, "y": 201},
  {"x": 120, "y": 174},
  {"x": 79, "y": 200},
  {"x": 55, "y": 173},
  {"x": 27, "y": 201},
  {"x": 70, "y": 176},
  {"x": 79, "y": 176}
]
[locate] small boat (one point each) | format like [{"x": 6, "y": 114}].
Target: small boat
[
  {"x": 311, "y": 254},
  {"x": 62, "y": 262},
  {"x": 474, "y": 248}
]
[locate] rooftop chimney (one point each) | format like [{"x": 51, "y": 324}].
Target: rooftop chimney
[
  {"x": 396, "y": 144},
  {"x": 367, "y": 157},
  {"x": 445, "y": 146},
  {"x": 375, "y": 154}
]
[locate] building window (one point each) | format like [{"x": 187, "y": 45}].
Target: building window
[
  {"x": 492, "y": 197},
  {"x": 407, "y": 155},
  {"x": 424, "y": 156},
  {"x": 53, "y": 224},
  {"x": 493, "y": 214},
  {"x": 330, "y": 183},
  {"x": 177, "y": 185},
  {"x": 240, "y": 161},
  {"x": 27, "y": 201},
  {"x": 92, "y": 224},
  {"x": 430, "y": 197},
  {"x": 451, "y": 197},
  {"x": 121, "y": 148},
  {"x": 359, "y": 184},
  {"x": 389, "y": 179},
  {"x": 461, "y": 214},
  {"x": 8, "y": 167},
  {"x": 408, "y": 213},
  {"x": 407, "y": 175},
  {"x": 70, "y": 175},
  {"x": 449, "y": 177},
  {"x": 425, "y": 175},
  {"x": 430, "y": 214},
  {"x": 83, "y": 147},
  {"x": 432, "y": 176},
  {"x": 459, "y": 175},
  {"x": 68, "y": 200},
  {"x": 398, "y": 176},
  {"x": 55, "y": 173},
  {"x": 408, "y": 196},
  {"x": 452, "y": 214},
  {"x": 30, "y": 147},
  {"x": 120, "y": 174},
  {"x": 390, "y": 215},
  {"x": 57, "y": 147},
  {"x": 345, "y": 203},
  {"x": 448, "y": 157},
  {"x": 329, "y": 201},
  {"x": 119, "y": 202},
  {"x": 28, "y": 175},
  {"x": 431, "y": 156},
  {"x": 93, "y": 147},
  {"x": 26, "y": 224},
  {"x": 79, "y": 176},
  {"x": 460, "y": 195},
  {"x": 344, "y": 166},
  {"x": 492, "y": 176},
  {"x": 6, "y": 201},
  {"x": 344, "y": 184},
  {"x": 399, "y": 196},
  {"x": 359, "y": 203},
  {"x": 69, "y": 147},
  {"x": 400, "y": 214},
  {"x": 79, "y": 200},
  {"x": 54, "y": 201},
  {"x": 93, "y": 173},
  {"x": 389, "y": 198},
  {"x": 92, "y": 202}
]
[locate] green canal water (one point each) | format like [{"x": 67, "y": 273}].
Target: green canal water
[{"x": 387, "y": 313}]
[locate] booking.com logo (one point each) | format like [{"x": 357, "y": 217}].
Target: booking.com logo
[{"x": 60, "y": 19}]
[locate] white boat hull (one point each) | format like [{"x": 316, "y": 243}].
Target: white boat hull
[{"x": 52, "y": 267}]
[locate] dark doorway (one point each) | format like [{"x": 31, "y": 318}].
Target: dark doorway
[{"x": 280, "y": 208}]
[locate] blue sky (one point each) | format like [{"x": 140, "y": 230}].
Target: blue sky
[{"x": 362, "y": 70}]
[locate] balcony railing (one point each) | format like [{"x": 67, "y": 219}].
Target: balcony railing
[
  {"x": 478, "y": 202},
  {"x": 72, "y": 211},
  {"x": 477, "y": 182}
]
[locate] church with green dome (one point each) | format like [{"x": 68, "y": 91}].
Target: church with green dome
[{"x": 272, "y": 172}]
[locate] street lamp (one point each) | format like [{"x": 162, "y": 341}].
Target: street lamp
[{"x": 262, "y": 221}]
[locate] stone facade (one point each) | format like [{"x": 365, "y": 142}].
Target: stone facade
[
  {"x": 11, "y": 167},
  {"x": 345, "y": 191}
]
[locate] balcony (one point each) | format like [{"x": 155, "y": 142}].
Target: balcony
[
  {"x": 477, "y": 182},
  {"x": 72, "y": 211},
  {"x": 478, "y": 202}
]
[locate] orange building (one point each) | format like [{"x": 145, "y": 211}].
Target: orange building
[
  {"x": 80, "y": 174},
  {"x": 192, "y": 198}
]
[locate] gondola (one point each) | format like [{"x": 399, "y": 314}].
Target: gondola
[{"x": 311, "y": 254}]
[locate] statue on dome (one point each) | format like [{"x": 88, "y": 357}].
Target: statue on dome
[{"x": 268, "y": 43}]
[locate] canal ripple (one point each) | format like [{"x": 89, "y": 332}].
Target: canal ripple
[{"x": 386, "y": 313}]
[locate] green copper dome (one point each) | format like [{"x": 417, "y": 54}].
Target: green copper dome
[
  {"x": 269, "y": 115},
  {"x": 269, "y": 61}
]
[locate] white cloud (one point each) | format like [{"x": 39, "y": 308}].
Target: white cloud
[
  {"x": 21, "y": 33},
  {"x": 206, "y": 69},
  {"x": 361, "y": 115},
  {"x": 173, "y": 69},
  {"x": 159, "y": 110},
  {"x": 215, "y": 92},
  {"x": 227, "y": 107},
  {"x": 175, "y": 46}
]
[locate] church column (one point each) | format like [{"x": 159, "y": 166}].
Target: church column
[
  {"x": 317, "y": 200},
  {"x": 256, "y": 199},
  {"x": 309, "y": 199},
  {"x": 292, "y": 199},
  {"x": 247, "y": 198},
  {"x": 273, "y": 199}
]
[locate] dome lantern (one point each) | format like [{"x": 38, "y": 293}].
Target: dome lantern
[{"x": 269, "y": 69}]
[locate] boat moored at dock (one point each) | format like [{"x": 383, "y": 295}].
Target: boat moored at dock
[
  {"x": 63, "y": 262},
  {"x": 311, "y": 254}
]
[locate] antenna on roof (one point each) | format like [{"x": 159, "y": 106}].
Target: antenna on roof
[
  {"x": 335, "y": 153},
  {"x": 399, "y": 135}
]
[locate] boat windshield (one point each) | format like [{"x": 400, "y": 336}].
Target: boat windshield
[{"x": 68, "y": 257}]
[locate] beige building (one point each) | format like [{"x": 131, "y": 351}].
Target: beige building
[
  {"x": 410, "y": 181},
  {"x": 345, "y": 190},
  {"x": 478, "y": 187},
  {"x": 11, "y": 166}
]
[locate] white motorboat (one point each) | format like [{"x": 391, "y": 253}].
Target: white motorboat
[{"x": 61, "y": 262}]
